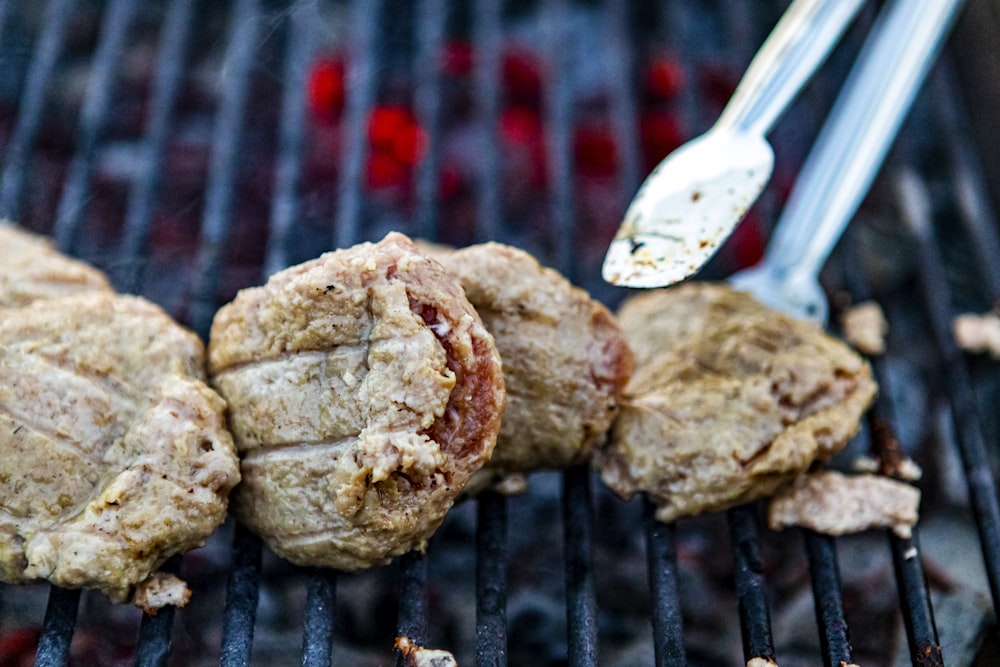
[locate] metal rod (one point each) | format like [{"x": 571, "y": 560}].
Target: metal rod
[
  {"x": 100, "y": 90},
  {"x": 491, "y": 580},
  {"x": 915, "y": 603},
  {"x": 431, "y": 19},
  {"x": 242, "y": 594},
  {"x": 362, "y": 84},
  {"x": 488, "y": 41},
  {"x": 827, "y": 594},
  {"x": 581, "y": 598},
  {"x": 224, "y": 164},
  {"x": 559, "y": 123},
  {"x": 154, "y": 638},
  {"x": 915, "y": 207},
  {"x": 968, "y": 180},
  {"x": 668, "y": 623},
  {"x": 412, "y": 620},
  {"x": 317, "y": 635},
  {"x": 624, "y": 109},
  {"x": 43, "y": 61},
  {"x": 755, "y": 615},
  {"x": 58, "y": 627},
  {"x": 300, "y": 46},
  {"x": 911, "y": 584},
  {"x": 174, "y": 39}
]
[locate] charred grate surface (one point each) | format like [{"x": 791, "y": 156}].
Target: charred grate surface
[{"x": 316, "y": 201}]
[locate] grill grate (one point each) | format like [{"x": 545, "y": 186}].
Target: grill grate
[{"x": 250, "y": 25}]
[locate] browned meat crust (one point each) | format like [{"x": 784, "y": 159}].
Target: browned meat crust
[
  {"x": 730, "y": 400},
  {"x": 565, "y": 359},
  {"x": 836, "y": 504},
  {"x": 363, "y": 393},
  {"x": 114, "y": 454},
  {"x": 31, "y": 269}
]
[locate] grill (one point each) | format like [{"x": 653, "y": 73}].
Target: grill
[{"x": 191, "y": 149}]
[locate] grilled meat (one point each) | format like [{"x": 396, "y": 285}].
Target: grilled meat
[
  {"x": 114, "y": 454},
  {"x": 565, "y": 359},
  {"x": 363, "y": 392},
  {"x": 730, "y": 400}
]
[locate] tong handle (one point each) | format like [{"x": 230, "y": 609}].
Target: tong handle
[
  {"x": 795, "y": 48},
  {"x": 857, "y": 135}
]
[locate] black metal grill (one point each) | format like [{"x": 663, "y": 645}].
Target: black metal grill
[{"x": 273, "y": 45}]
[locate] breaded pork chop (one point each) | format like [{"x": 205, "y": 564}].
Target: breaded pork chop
[
  {"x": 565, "y": 358},
  {"x": 363, "y": 392},
  {"x": 730, "y": 400},
  {"x": 114, "y": 454},
  {"x": 32, "y": 269}
]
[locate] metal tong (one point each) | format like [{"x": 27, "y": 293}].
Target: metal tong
[{"x": 847, "y": 154}]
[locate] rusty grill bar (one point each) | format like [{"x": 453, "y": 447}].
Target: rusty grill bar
[{"x": 250, "y": 22}]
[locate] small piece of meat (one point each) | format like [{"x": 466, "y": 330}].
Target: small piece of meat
[
  {"x": 418, "y": 656},
  {"x": 114, "y": 454},
  {"x": 363, "y": 392},
  {"x": 978, "y": 334},
  {"x": 835, "y": 504},
  {"x": 730, "y": 400},
  {"x": 32, "y": 269},
  {"x": 865, "y": 327},
  {"x": 565, "y": 359},
  {"x": 158, "y": 591},
  {"x": 905, "y": 468}
]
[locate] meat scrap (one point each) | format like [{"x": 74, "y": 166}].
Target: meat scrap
[
  {"x": 363, "y": 393},
  {"x": 865, "y": 327},
  {"x": 730, "y": 400},
  {"x": 978, "y": 334},
  {"x": 565, "y": 358},
  {"x": 836, "y": 504},
  {"x": 158, "y": 591},
  {"x": 418, "y": 656}
]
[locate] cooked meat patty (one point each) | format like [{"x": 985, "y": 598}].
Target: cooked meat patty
[
  {"x": 114, "y": 454},
  {"x": 363, "y": 392},
  {"x": 729, "y": 401},
  {"x": 565, "y": 359},
  {"x": 835, "y": 504},
  {"x": 31, "y": 269}
]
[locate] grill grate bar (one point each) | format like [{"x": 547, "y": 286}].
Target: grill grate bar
[
  {"x": 174, "y": 39},
  {"x": 154, "y": 638},
  {"x": 968, "y": 181},
  {"x": 491, "y": 574},
  {"x": 558, "y": 121},
  {"x": 412, "y": 620},
  {"x": 16, "y": 167},
  {"x": 668, "y": 623},
  {"x": 224, "y": 163},
  {"x": 581, "y": 602},
  {"x": 242, "y": 594},
  {"x": 918, "y": 617},
  {"x": 431, "y": 19},
  {"x": 487, "y": 35},
  {"x": 299, "y": 49},
  {"x": 915, "y": 209},
  {"x": 825, "y": 575},
  {"x": 4, "y": 15},
  {"x": 58, "y": 627},
  {"x": 624, "y": 110},
  {"x": 317, "y": 631},
  {"x": 100, "y": 90},
  {"x": 755, "y": 616},
  {"x": 361, "y": 81},
  {"x": 911, "y": 584}
]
